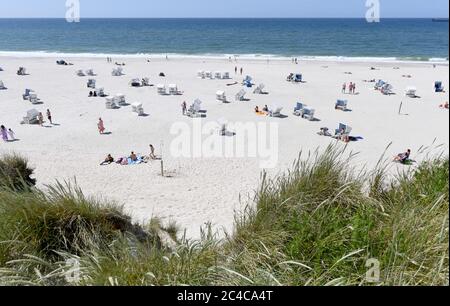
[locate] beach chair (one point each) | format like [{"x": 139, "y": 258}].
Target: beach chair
[
  {"x": 146, "y": 82},
  {"x": 201, "y": 74},
  {"x": 118, "y": 71},
  {"x": 90, "y": 72},
  {"x": 208, "y": 75},
  {"x": 111, "y": 103},
  {"x": 259, "y": 90},
  {"x": 31, "y": 117},
  {"x": 120, "y": 99},
  {"x": 135, "y": 83},
  {"x": 298, "y": 110},
  {"x": 194, "y": 109},
  {"x": 138, "y": 108},
  {"x": 387, "y": 89},
  {"x": 220, "y": 96},
  {"x": 161, "y": 88},
  {"x": 411, "y": 92},
  {"x": 275, "y": 111},
  {"x": 343, "y": 131},
  {"x": 309, "y": 114},
  {"x": 173, "y": 90},
  {"x": 247, "y": 81},
  {"x": 218, "y": 75},
  {"x": 341, "y": 105},
  {"x": 379, "y": 84},
  {"x": 2, "y": 85},
  {"x": 27, "y": 93},
  {"x": 298, "y": 78},
  {"x": 91, "y": 83},
  {"x": 100, "y": 92},
  {"x": 438, "y": 87},
  {"x": 80, "y": 73},
  {"x": 33, "y": 98},
  {"x": 21, "y": 71},
  {"x": 1, "y": 69},
  {"x": 226, "y": 76},
  {"x": 240, "y": 96}
]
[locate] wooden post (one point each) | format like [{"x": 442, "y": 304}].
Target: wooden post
[
  {"x": 400, "y": 109},
  {"x": 162, "y": 168},
  {"x": 162, "y": 160}
]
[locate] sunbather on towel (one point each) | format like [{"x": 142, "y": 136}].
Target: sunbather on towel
[
  {"x": 403, "y": 157},
  {"x": 108, "y": 160},
  {"x": 133, "y": 157}
]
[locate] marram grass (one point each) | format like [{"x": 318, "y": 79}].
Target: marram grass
[{"x": 321, "y": 223}]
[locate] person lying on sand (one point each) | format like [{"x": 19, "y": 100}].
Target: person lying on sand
[
  {"x": 266, "y": 109},
  {"x": 444, "y": 106},
  {"x": 403, "y": 157},
  {"x": 108, "y": 160}
]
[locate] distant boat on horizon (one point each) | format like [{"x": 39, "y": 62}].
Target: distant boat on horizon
[{"x": 440, "y": 19}]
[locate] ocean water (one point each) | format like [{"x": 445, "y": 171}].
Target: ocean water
[{"x": 401, "y": 39}]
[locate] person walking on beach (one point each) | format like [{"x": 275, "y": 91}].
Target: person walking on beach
[
  {"x": 49, "y": 116},
  {"x": 101, "y": 126},
  {"x": 41, "y": 119},
  {"x": 235, "y": 69},
  {"x": 4, "y": 133},
  {"x": 350, "y": 87},
  {"x": 152, "y": 152},
  {"x": 184, "y": 108},
  {"x": 11, "y": 134},
  {"x": 354, "y": 88},
  {"x": 344, "y": 88},
  {"x": 242, "y": 70}
]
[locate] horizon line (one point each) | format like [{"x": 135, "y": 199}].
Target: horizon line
[{"x": 224, "y": 18}]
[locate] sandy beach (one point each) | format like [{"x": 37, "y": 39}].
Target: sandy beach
[{"x": 200, "y": 190}]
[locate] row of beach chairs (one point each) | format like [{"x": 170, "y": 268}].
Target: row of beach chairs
[
  {"x": 31, "y": 96},
  {"x": 213, "y": 75},
  {"x": 172, "y": 89},
  {"x": 88, "y": 72}
]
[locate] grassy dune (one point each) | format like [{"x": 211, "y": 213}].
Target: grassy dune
[{"x": 321, "y": 223}]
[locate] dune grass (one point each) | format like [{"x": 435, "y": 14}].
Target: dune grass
[{"x": 321, "y": 223}]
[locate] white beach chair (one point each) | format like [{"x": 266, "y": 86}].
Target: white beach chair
[
  {"x": 343, "y": 130},
  {"x": 91, "y": 83},
  {"x": 275, "y": 111},
  {"x": 411, "y": 92},
  {"x": 110, "y": 103},
  {"x": 240, "y": 96},
  {"x": 100, "y": 92},
  {"x": 120, "y": 99},
  {"x": 161, "y": 88},
  {"x": 259, "y": 89},
  {"x": 226, "y": 76},
  {"x": 33, "y": 98},
  {"x": 173, "y": 90},
  {"x": 80, "y": 73},
  {"x": 387, "y": 89},
  {"x": 138, "y": 108},
  {"x": 218, "y": 75},
  {"x": 90, "y": 72},
  {"x": 194, "y": 109},
  {"x": 341, "y": 105},
  {"x": 31, "y": 117},
  {"x": 298, "y": 110},
  {"x": 201, "y": 74},
  {"x": 220, "y": 96},
  {"x": 2, "y": 85},
  {"x": 146, "y": 82},
  {"x": 118, "y": 71}
]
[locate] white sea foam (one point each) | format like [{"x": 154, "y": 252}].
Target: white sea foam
[{"x": 260, "y": 57}]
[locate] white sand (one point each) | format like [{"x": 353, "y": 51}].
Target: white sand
[{"x": 209, "y": 189}]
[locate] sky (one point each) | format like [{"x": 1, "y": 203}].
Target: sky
[{"x": 223, "y": 8}]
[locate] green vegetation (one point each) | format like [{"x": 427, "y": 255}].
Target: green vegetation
[{"x": 319, "y": 224}]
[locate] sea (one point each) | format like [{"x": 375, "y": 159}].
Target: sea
[{"x": 334, "y": 39}]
